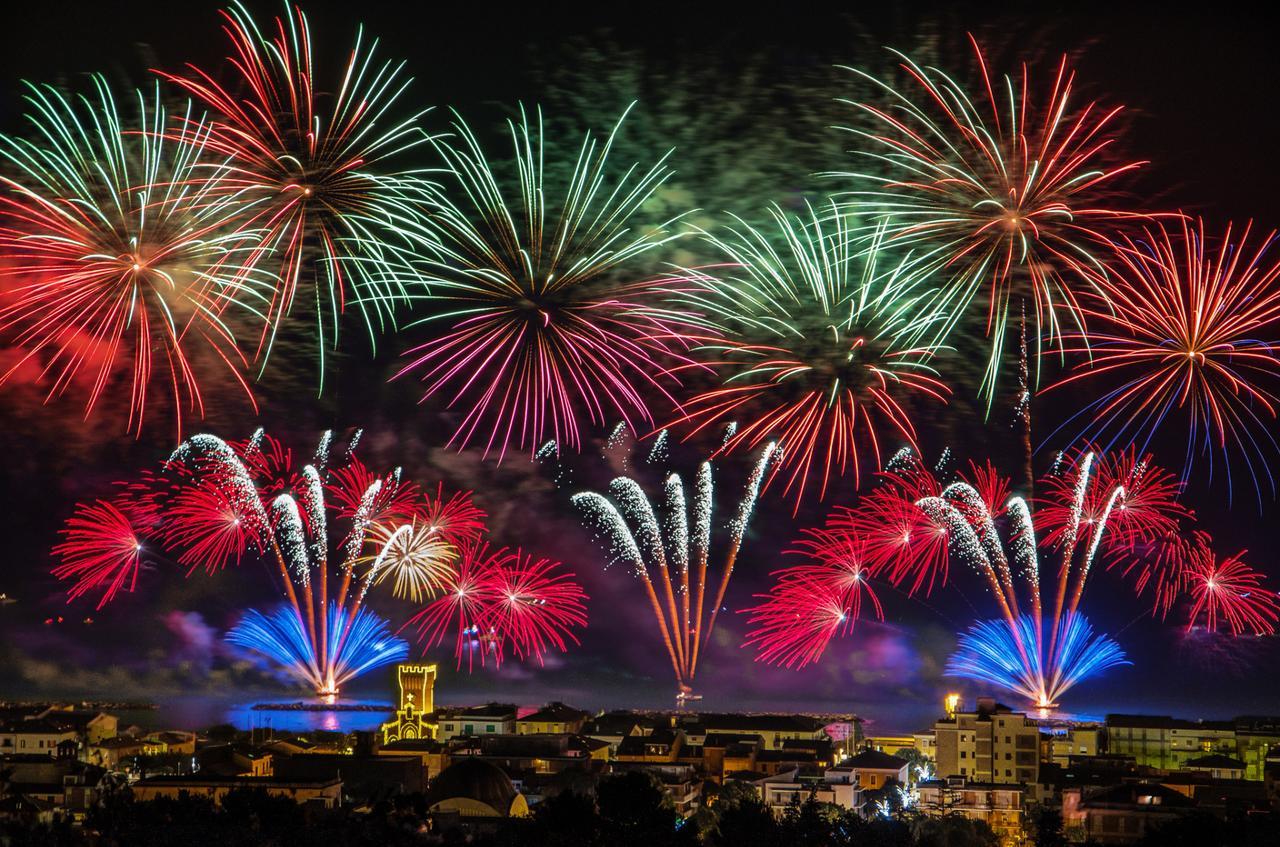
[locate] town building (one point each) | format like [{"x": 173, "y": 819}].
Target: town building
[
  {"x": 998, "y": 805},
  {"x": 873, "y": 770},
  {"x": 993, "y": 744},
  {"x": 50, "y": 786},
  {"x": 489, "y": 719},
  {"x": 773, "y": 730},
  {"x": 41, "y": 736},
  {"x": 472, "y": 788},
  {"x": 612, "y": 727},
  {"x": 552, "y": 718},
  {"x": 1120, "y": 814},
  {"x": 1167, "y": 743},
  {"x": 325, "y": 793},
  {"x": 837, "y": 786}
]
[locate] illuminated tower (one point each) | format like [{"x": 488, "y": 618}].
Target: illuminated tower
[{"x": 417, "y": 703}]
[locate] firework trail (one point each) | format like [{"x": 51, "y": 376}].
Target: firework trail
[
  {"x": 671, "y": 558},
  {"x": 330, "y": 535},
  {"x": 125, "y": 260},
  {"x": 819, "y": 347},
  {"x": 999, "y": 187}
]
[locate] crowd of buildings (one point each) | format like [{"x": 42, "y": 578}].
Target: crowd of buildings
[{"x": 1112, "y": 781}]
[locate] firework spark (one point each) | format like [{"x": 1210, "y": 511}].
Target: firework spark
[
  {"x": 813, "y": 602},
  {"x": 1226, "y": 592},
  {"x": 316, "y": 173}
]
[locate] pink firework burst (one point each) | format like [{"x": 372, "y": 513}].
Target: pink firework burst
[{"x": 813, "y": 602}]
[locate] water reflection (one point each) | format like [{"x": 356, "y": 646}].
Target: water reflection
[{"x": 202, "y": 712}]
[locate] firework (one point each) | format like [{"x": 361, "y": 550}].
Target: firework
[
  {"x": 282, "y": 636},
  {"x": 1227, "y": 592},
  {"x": 901, "y": 543},
  {"x": 820, "y": 348},
  {"x": 1177, "y": 341},
  {"x": 672, "y": 557},
  {"x": 419, "y": 556},
  {"x": 123, "y": 258},
  {"x": 329, "y": 536},
  {"x": 100, "y": 551},
  {"x": 1000, "y": 187},
  {"x": 1009, "y": 656},
  {"x": 500, "y": 598},
  {"x": 1041, "y": 645},
  {"x": 316, "y": 173},
  {"x": 1145, "y": 533},
  {"x": 814, "y": 602},
  {"x": 547, "y": 326}
]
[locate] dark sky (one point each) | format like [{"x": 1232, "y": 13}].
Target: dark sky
[{"x": 1201, "y": 88}]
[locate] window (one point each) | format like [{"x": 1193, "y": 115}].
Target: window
[{"x": 964, "y": 755}]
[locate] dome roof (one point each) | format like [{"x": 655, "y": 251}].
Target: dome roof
[{"x": 473, "y": 779}]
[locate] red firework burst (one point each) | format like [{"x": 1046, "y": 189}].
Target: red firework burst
[
  {"x": 537, "y": 606},
  {"x": 121, "y": 264},
  {"x": 502, "y": 598},
  {"x": 1177, "y": 340},
  {"x": 208, "y": 527},
  {"x": 901, "y": 543},
  {"x": 100, "y": 550},
  {"x": 813, "y": 602},
  {"x": 1227, "y": 592}
]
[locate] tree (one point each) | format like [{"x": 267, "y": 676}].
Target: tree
[
  {"x": 636, "y": 811},
  {"x": 1046, "y": 826},
  {"x": 742, "y": 819}
]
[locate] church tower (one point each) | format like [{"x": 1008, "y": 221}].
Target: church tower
[{"x": 417, "y": 703}]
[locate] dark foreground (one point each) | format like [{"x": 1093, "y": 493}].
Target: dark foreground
[{"x": 627, "y": 811}]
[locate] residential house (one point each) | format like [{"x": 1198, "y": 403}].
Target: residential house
[
  {"x": 326, "y": 793},
  {"x": 993, "y": 743},
  {"x": 1120, "y": 814},
  {"x": 998, "y": 805},
  {"x": 489, "y": 719},
  {"x": 552, "y": 718}
]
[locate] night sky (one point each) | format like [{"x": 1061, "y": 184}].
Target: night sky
[{"x": 1200, "y": 91}]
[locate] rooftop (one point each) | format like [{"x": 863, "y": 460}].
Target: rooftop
[
  {"x": 556, "y": 712},
  {"x": 874, "y": 760}
]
